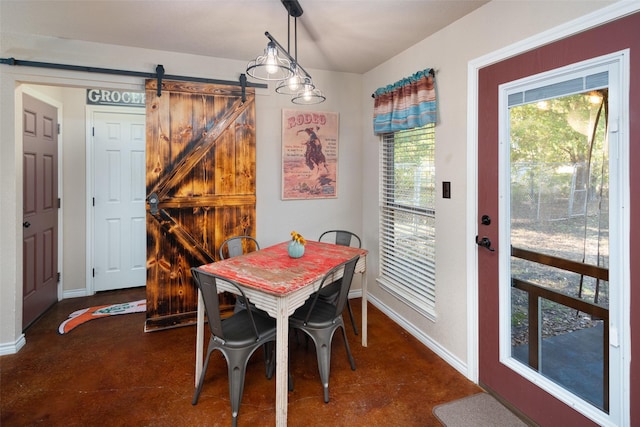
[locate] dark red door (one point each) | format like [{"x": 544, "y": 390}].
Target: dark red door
[
  {"x": 495, "y": 375},
  {"x": 40, "y": 208}
]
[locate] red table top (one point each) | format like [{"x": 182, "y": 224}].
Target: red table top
[{"x": 272, "y": 270}]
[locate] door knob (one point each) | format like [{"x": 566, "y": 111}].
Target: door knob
[
  {"x": 26, "y": 224},
  {"x": 485, "y": 243}
]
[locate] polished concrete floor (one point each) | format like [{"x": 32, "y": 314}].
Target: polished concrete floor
[{"x": 110, "y": 372}]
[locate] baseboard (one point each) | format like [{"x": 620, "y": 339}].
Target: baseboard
[
  {"x": 434, "y": 346},
  {"x": 12, "y": 348},
  {"x": 75, "y": 293}
]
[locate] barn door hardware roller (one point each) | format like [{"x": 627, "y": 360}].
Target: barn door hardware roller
[
  {"x": 243, "y": 84},
  {"x": 159, "y": 76}
]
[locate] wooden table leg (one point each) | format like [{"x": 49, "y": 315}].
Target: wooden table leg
[{"x": 282, "y": 364}]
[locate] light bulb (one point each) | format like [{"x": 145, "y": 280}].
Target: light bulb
[
  {"x": 271, "y": 67},
  {"x": 271, "y": 64},
  {"x": 307, "y": 93},
  {"x": 294, "y": 83}
]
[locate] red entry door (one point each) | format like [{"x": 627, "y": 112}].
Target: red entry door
[
  {"x": 494, "y": 373},
  {"x": 40, "y": 208}
]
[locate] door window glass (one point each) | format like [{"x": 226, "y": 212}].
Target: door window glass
[{"x": 559, "y": 233}]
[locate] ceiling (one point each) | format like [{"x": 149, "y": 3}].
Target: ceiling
[{"x": 336, "y": 35}]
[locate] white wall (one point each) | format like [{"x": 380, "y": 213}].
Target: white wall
[
  {"x": 275, "y": 218},
  {"x": 489, "y": 28}
]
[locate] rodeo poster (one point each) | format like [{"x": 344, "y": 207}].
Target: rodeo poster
[{"x": 309, "y": 155}]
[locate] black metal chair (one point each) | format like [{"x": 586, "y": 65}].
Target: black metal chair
[
  {"x": 320, "y": 319},
  {"x": 344, "y": 238},
  {"x": 238, "y": 245},
  {"x": 234, "y": 246},
  {"x": 237, "y": 337}
]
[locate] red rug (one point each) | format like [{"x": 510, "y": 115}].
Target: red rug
[{"x": 79, "y": 317}]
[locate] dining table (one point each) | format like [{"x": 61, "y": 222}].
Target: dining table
[{"x": 278, "y": 284}]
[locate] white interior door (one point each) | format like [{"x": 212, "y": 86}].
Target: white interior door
[{"x": 119, "y": 249}]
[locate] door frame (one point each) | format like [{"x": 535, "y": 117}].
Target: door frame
[
  {"x": 90, "y": 110},
  {"x": 13, "y": 83},
  {"x": 28, "y": 89},
  {"x": 611, "y": 13}
]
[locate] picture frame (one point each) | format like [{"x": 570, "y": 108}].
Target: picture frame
[{"x": 309, "y": 154}]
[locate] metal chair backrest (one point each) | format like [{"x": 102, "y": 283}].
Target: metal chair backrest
[
  {"x": 342, "y": 237},
  {"x": 238, "y": 245},
  {"x": 207, "y": 283},
  {"x": 347, "y": 278}
]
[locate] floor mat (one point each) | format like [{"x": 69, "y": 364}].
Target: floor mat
[
  {"x": 79, "y": 317},
  {"x": 479, "y": 410}
]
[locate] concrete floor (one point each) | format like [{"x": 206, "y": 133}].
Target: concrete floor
[{"x": 110, "y": 372}]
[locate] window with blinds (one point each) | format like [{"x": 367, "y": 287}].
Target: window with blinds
[{"x": 407, "y": 217}]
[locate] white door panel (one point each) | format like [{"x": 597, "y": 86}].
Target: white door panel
[{"x": 119, "y": 200}]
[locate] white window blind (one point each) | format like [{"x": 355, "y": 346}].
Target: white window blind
[{"x": 407, "y": 217}]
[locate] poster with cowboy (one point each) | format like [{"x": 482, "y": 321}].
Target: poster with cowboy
[{"x": 309, "y": 155}]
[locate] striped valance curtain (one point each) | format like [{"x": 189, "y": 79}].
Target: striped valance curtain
[{"x": 406, "y": 104}]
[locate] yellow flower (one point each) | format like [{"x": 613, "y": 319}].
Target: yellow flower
[{"x": 296, "y": 237}]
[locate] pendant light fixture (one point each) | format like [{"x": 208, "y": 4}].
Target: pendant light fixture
[
  {"x": 308, "y": 94},
  {"x": 270, "y": 66},
  {"x": 277, "y": 64}
]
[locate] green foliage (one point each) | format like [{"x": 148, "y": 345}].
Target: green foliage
[
  {"x": 559, "y": 155},
  {"x": 414, "y": 167},
  {"x": 556, "y": 130}
]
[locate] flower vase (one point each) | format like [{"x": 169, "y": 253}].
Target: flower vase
[{"x": 295, "y": 249}]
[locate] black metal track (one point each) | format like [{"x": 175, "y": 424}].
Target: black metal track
[{"x": 159, "y": 74}]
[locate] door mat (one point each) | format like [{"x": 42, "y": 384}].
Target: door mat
[
  {"x": 479, "y": 410},
  {"x": 79, "y": 317}
]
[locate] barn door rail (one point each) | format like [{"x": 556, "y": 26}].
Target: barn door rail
[{"x": 159, "y": 74}]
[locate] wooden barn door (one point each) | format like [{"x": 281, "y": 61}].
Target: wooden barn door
[{"x": 201, "y": 160}]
